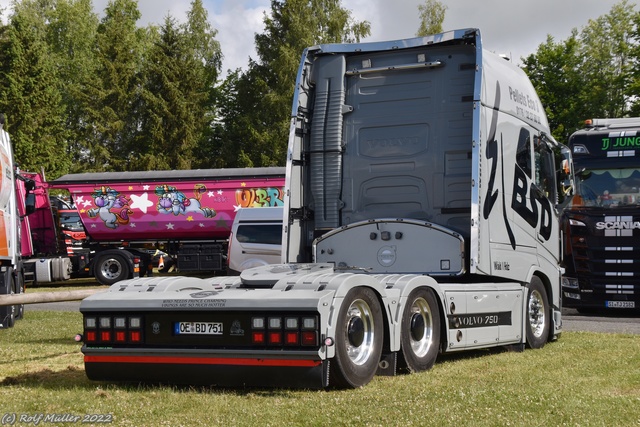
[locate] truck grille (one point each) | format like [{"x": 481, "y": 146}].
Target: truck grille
[{"x": 606, "y": 253}]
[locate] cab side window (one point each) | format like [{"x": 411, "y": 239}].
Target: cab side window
[
  {"x": 523, "y": 152},
  {"x": 545, "y": 170}
]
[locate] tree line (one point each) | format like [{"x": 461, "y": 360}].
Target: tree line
[
  {"x": 594, "y": 73},
  {"x": 88, "y": 94}
]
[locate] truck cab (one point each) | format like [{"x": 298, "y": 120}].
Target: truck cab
[
  {"x": 11, "y": 267},
  {"x": 602, "y": 221},
  {"x": 421, "y": 216}
]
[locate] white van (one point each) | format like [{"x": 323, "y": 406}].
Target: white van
[{"x": 256, "y": 238}]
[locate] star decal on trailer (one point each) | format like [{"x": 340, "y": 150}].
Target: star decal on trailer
[{"x": 141, "y": 202}]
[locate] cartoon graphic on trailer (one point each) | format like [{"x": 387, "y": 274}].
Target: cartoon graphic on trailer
[
  {"x": 112, "y": 208},
  {"x": 146, "y": 211},
  {"x": 172, "y": 201}
]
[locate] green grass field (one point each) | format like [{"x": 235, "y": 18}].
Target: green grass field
[{"x": 584, "y": 379}]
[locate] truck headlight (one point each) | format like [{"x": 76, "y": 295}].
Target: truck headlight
[{"x": 569, "y": 282}]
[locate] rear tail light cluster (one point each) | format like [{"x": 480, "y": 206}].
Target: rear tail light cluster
[
  {"x": 136, "y": 266},
  {"x": 283, "y": 331},
  {"x": 106, "y": 329}
]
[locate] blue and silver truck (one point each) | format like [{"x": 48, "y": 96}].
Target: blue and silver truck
[{"x": 420, "y": 217}]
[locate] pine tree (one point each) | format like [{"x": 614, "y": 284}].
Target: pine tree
[
  {"x": 111, "y": 97},
  {"x": 31, "y": 98},
  {"x": 431, "y": 17},
  {"x": 178, "y": 92},
  {"x": 263, "y": 94},
  {"x": 71, "y": 33}
]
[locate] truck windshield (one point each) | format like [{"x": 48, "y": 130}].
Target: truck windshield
[
  {"x": 70, "y": 220},
  {"x": 607, "y": 188}
]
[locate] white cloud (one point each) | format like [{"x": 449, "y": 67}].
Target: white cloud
[
  {"x": 237, "y": 21},
  {"x": 516, "y": 28},
  {"x": 237, "y": 27},
  {"x": 507, "y": 26}
]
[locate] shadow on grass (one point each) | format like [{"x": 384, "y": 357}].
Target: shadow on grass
[
  {"x": 72, "y": 377},
  {"x": 75, "y": 378},
  {"x": 479, "y": 353},
  {"x": 36, "y": 358},
  {"x": 606, "y": 313},
  {"x": 67, "y": 342}
]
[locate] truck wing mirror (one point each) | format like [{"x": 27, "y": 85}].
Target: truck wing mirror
[
  {"x": 30, "y": 204},
  {"x": 564, "y": 175}
]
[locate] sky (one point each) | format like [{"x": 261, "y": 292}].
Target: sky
[{"x": 511, "y": 27}]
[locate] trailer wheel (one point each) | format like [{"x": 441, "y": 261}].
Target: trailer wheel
[
  {"x": 420, "y": 333},
  {"x": 359, "y": 337},
  {"x": 538, "y": 314},
  {"x": 111, "y": 269}
]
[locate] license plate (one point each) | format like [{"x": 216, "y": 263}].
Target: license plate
[
  {"x": 198, "y": 328},
  {"x": 621, "y": 304}
]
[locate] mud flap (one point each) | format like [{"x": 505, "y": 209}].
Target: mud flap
[
  {"x": 388, "y": 364},
  {"x": 141, "y": 369}
]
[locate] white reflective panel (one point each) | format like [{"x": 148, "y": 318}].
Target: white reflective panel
[
  {"x": 275, "y": 322},
  {"x": 135, "y": 322},
  {"x": 105, "y": 322},
  {"x": 291, "y": 323}
]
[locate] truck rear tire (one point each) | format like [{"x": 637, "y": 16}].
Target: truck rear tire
[
  {"x": 7, "y": 312},
  {"x": 538, "y": 314},
  {"x": 359, "y": 338},
  {"x": 20, "y": 290},
  {"x": 420, "y": 333},
  {"x": 111, "y": 268}
]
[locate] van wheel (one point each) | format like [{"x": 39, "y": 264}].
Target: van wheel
[
  {"x": 420, "y": 333},
  {"x": 111, "y": 269},
  {"x": 359, "y": 337},
  {"x": 538, "y": 314}
]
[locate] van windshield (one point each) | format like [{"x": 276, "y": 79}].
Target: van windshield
[{"x": 607, "y": 188}]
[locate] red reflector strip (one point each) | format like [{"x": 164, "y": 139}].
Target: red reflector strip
[
  {"x": 201, "y": 361},
  {"x": 309, "y": 338},
  {"x": 291, "y": 338},
  {"x": 275, "y": 338},
  {"x": 258, "y": 337}
]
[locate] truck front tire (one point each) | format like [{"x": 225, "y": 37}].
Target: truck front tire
[
  {"x": 538, "y": 314},
  {"x": 359, "y": 338}
]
